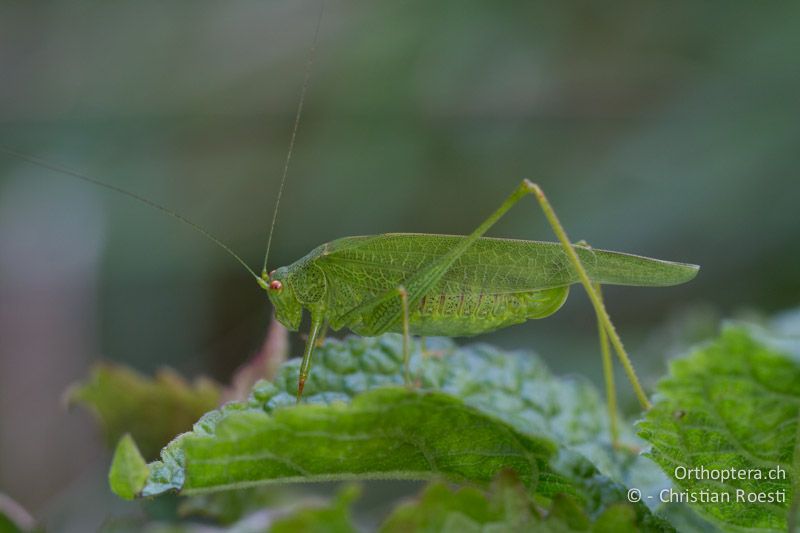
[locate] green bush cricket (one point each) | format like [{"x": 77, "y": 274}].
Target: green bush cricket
[
  {"x": 444, "y": 285},
  {"x": 439, "y": 285},
  {"x": 425, "y": 284}
]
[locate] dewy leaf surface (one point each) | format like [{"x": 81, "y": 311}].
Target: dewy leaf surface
[{"x": 732, "y": 404}]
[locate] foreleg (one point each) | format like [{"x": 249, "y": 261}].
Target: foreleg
[{"x": 317, "y": 322}]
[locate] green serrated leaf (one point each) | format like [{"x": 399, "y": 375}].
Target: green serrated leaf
[
  {"x": 514, "y": 386},
  {"x": 386, "y": 433},
  {"x": 510, "y": 403},
  {"x": 152, "y": 410},
  {"x": 129, "y": 470},
  {"x": 731, "y": 406}
]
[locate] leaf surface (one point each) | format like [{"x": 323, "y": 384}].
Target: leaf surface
[
  {"x": 477, "y": 411},
  {"x": 731, "y": 406},
  {"x": 128, "y": 470},
  {"x": 386, "y": 433},
  {"x": 513, "y": 386}
]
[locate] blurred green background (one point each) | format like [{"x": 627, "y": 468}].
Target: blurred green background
[{"x": 663, "y": 129}]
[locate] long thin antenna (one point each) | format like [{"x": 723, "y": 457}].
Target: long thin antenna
[
  {"x": 75, "y": 174},
  {"x": 309, "y": 64}
]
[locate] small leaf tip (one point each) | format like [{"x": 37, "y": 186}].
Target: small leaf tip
[{"x": 129, "y": 470}]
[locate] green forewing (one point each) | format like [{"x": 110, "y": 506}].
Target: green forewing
[
  {"x": 500, "y": 264},
  {"x": 494, "y": 283}
]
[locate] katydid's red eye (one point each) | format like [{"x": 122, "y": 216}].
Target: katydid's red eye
[{"x": 275, "y": 285}]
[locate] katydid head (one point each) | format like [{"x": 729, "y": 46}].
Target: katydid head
[{"x": 278, "y": 285}]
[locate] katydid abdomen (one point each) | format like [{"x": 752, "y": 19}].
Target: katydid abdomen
[{"x": 464, "y": 313}]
